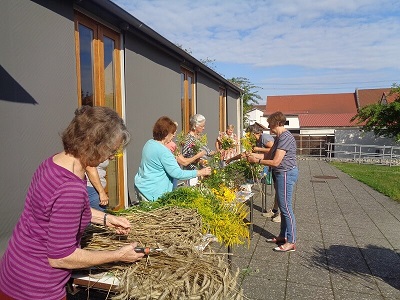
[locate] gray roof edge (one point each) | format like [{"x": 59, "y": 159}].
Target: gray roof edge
[{"x": 139, "y": 25}]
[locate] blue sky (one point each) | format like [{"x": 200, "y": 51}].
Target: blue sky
[{"x": 285, "y": 47}]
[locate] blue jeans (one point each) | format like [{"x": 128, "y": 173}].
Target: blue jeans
[
  {"x": 284, "y": 186},
  {"x": 94, "y": 199}
]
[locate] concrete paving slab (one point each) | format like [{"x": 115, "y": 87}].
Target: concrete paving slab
[
  {"x": 356, "y": 283},
  {"x": 343, "y": 248},
  {"x": 263, "y": 288},
  {"x": 389, "y": 287},
  {"x": 309, "y": 275},
  {"x": 350, "y": 295},
  {"x": 300, "y": 291}
]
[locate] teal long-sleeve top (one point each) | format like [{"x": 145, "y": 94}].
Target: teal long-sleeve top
[{"x": 157, "y": 169}]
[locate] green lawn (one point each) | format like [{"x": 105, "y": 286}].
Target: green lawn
[{"x": 384, "y": 179}]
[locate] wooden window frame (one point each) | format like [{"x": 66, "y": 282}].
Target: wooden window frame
[
  {"x": 187, "y": 103},
  {"x": 99, "y": 32},
  {"x": 222, "y": 109}
]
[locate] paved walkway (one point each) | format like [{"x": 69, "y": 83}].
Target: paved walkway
[{"x": 348, "y": 243}]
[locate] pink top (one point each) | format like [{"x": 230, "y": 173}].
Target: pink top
[
  {"x": 231, "y": 152},
  {"x": 55, "y": 214},
  {"x": 171, "y": 146}
]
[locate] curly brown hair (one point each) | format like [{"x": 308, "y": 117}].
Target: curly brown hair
[
  {"x": 94, "y": 134},
  {"x": 277, "y": 118},
  {"x": 163, "y": 127}
]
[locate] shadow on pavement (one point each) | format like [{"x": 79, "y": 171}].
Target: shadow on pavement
[{"x": 362, "y": 262}]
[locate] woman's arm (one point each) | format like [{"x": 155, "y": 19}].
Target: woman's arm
[
  {"x": 276, "y": 161},
  {"x": 184, "y": 161},
  {"x": 94, "y": 178},
  {"x": 217, "y": 145},
  {"x": 267, "y": 147},
  {"x": 82, "y": 258},
  {"x": 120, "y": 224}
]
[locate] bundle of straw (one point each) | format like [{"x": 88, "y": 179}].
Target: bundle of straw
[{"x": 181, "y": 271}]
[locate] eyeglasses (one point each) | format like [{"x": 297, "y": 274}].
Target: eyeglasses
[{"x": 117, "y": 152}]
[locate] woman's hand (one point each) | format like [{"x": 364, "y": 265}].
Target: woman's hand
[
  {"x": 120, "y": 224},
  {"x": 253, "y": 157},
  {"x": 204, "y": 172},
  {"x": 103, "y": 198},
  {"x": 128, "y": 254}
]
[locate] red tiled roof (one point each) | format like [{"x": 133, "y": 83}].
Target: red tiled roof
[
  {"x": 259, "y": 107},
  {"x": 371, "y": 96},
  {"x": 312, "y": 104},
  {"x": 326, "y": 120}
]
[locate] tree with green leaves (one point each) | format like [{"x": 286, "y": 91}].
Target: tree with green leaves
[
  {"x": 249, "y": 93},
  {"x": 381, "y": 118}
]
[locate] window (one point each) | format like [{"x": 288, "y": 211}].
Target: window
[
  {"x": 222, "y": 110},
  {"x": 99, "y": 84},
  {"x": 187, "y": 98}
]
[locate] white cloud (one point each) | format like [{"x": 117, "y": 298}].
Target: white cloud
[{"x": 325, "y": 34}]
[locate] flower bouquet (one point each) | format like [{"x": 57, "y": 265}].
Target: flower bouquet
[
  {"x": 248, "y": 141},
  {"x": 227, "y": 142},
  {"x": 199, "y": 143}
]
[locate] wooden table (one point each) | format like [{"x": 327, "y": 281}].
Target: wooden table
[{"x": 105, "y": 282}]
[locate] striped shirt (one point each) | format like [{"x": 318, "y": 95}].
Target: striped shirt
[
  {"x": 287, "y": 143},
  {"x": 188, "y": 151},
  {"x": 55, "y": 214}
]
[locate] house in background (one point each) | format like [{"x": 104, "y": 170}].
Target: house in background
[
  {"x": 354, "y": 135},
  {"x": 256, "y": 114},
  {"x": 317, "y": 119},
  {"x": 58, "y": 55}
]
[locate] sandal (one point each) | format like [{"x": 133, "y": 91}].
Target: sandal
[
  {"x": 277, "y": 240},
  {"x": 280, "y": 248}
]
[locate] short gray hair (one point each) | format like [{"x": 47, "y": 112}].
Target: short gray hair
[{"x": 196, "y": 120}]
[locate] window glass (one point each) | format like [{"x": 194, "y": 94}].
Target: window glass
[
  {"x": 109, "y": 73},
  {"x": 86, "y": 64}
]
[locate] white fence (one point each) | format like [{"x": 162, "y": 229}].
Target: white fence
[{"x": 373, "y": 154}]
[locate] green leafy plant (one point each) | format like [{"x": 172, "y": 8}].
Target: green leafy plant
[
  {"x": 248, "y": 141},
  {"x": 227, "y": 142},
  {"x": 224, "y": 221},
  {"x": 248, "y": 170}
]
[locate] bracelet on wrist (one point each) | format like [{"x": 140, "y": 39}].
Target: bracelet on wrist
[
  {"x": 259, "y": 161},
  {"x": 105, "y": 220}
]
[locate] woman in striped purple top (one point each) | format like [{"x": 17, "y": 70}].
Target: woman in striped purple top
[
  {"x": 45, "y": 245},
  {"x": 282, "y": 159}
]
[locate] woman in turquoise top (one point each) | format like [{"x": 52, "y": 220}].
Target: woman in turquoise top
[{"x": 158, "y": 166}]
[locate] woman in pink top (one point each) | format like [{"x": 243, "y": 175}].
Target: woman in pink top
[
  {"x": 45, "y": 245},
  {"x": 227, "y": 144}
]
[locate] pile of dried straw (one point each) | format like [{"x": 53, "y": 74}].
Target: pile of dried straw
[{"x": 180, "y": 271}]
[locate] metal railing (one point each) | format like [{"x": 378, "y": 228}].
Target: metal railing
[
  {"x": 373, "y": 154},
  {"x": 312, "y": 146}
]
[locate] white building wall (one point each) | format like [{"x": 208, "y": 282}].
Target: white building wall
[
  {"x": 255, "y": 115},
  {"x": 357, "y": 137},
  {"x": 293, "y": 122},
  {"x": 317, "y": 131}
]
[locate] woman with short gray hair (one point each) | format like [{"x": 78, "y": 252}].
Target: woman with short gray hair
[
  {"x": 197, "y": 124},
  {"x": 196, "y": 120}
]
